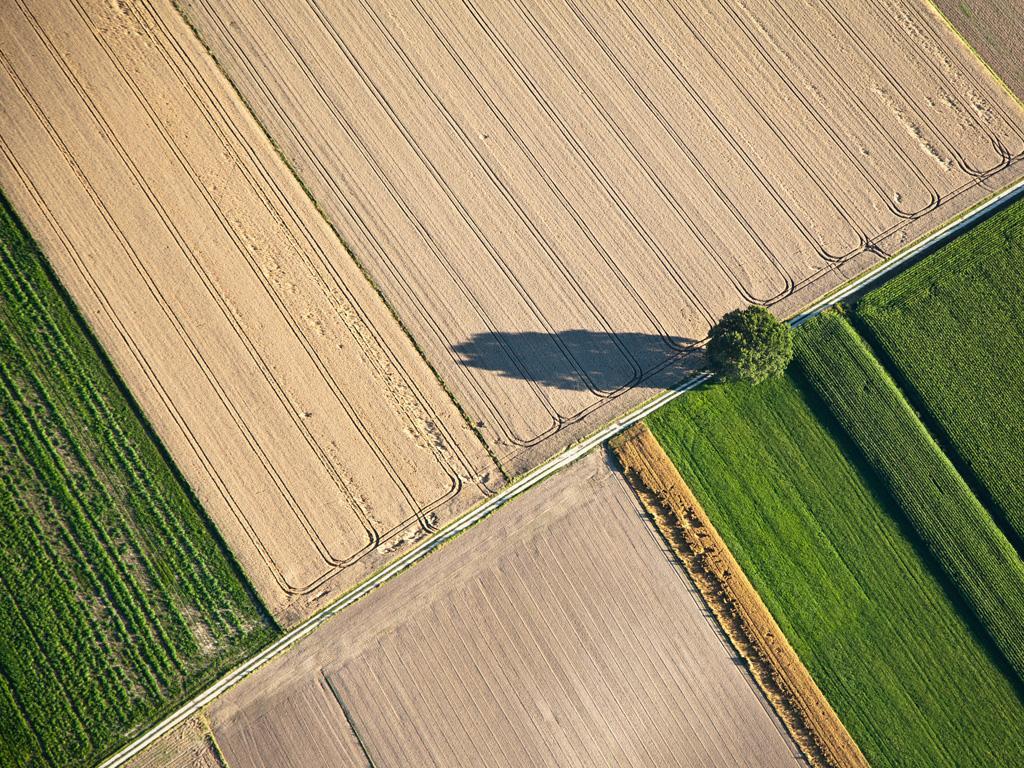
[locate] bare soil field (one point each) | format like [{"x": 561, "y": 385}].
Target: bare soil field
[
  {"x": 995, "y": 29},
  {"x": 559, "y": 632},
  {"x": 301, "y": 415},
  {"x": 560, "y": 197}
]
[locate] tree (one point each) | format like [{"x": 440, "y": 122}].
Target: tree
[{"x": 750, "y": 345}]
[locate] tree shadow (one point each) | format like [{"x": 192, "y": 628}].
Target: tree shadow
[{"x": 574, "y": 359}]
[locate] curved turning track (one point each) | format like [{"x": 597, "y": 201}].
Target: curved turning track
[{"x": 565, "y": 208}]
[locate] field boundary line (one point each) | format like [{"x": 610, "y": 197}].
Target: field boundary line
[{"x": 947, "y": 231}]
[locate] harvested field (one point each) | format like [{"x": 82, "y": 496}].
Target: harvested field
[
  {"x": 995, "y": 29},
  {"x": 116, "y": 597},
  {"x": 190, "y": 745},
  {"x": 556, "y": 633},
  {"x": 310, "y": 429},
  {"x": 558, "y": 207}
]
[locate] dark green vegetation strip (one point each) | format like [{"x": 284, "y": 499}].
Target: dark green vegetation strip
[
  {"x": 951, "y": 330},
  {"x": 957, "y": 530},
  {"x": 815, "y": 529},
  {"x": 116, "y": 597}
]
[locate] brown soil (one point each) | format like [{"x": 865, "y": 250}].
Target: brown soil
[
  {"x": 559, "y": 197},
  {"x": 995, "y": 29},
  {"x": 307, "y": 728},
  {"x": 307, "y": 424},
  {"x": 734, "y": 602},
  {"x": 557, "y": 632}
]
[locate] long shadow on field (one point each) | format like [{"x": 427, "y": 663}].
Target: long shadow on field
[{"x": 574, "y": 359}]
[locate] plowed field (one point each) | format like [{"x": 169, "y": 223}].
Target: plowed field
[
  {"x": 557, "y": 633},
  {"x": 560, "y": 197},
  {"x": 995, "y": 29},
  {"x": 305, "y": 421}
]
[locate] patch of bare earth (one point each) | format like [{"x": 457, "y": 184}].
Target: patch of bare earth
[
  {"x": 558, "y": 632},
  {"x": 560, "y": 197},
  {"x": 300, "y": 414},
  {"x": 190, "y": 745},
  {"x": 995, "y": 29}
]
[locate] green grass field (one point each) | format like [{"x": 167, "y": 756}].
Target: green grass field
[
  {"x": 947, "y": 517},
  {"x": 951, "y": 331},
  {"x": 909, "y": 672},
  {"x": 874, "y": 497},
  {"x": 116, "y": 597}
]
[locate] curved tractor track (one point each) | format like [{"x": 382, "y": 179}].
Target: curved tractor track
[
  {"x": 314, "y": 435},
  {"x": 557, "y": 206}
]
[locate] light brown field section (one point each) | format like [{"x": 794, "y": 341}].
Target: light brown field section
[
  {"x": 556, "y": 633},
  {"x": 311, "y": 430},
  {"x": 995, "y": 29},
  {"x": 559, "y": 197}
]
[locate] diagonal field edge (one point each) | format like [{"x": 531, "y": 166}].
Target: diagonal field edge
[{"x": 188, "y": 709}]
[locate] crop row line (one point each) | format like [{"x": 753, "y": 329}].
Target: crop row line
[{"x": 107, "y": 431}]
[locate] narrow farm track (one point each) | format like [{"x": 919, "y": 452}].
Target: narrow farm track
[{"x": 863, "y": 282}]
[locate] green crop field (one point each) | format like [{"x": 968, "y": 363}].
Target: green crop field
[
  {"x": 951, "y": 330},
  {"x": 957, "y": 530},
  {"x": 909, "y": 670},
  {"x": 870, "y": 496},
  {"x": 116, "y": 597}
]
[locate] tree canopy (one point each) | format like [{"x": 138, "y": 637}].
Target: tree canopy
[{"x": 750, "y": 345}]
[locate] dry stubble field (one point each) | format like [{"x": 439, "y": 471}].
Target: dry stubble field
[
  {"x": 190, "y": 745},
  {"x": 309, "y": 427},
  {"x": 557, "y": 633},
  {"x": 560, "y": 197}
]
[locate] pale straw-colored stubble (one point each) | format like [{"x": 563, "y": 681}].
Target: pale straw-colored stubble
[
  {"x": 190, "y": 745},
  {"x": 558, "y": 196}
]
